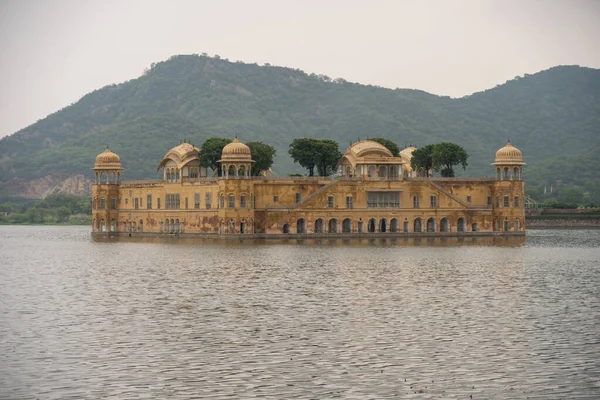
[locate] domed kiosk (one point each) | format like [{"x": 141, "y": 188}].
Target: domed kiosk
[
  {"x": 107, "y": 167},
  {"x": 181, "y": 162},
  {"x": 509, "y": 163},
  {"x": 370, "y": 160},
  {"x": 236, "y": 160}
]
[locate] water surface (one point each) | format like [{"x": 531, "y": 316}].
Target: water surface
[{"x": 358, "y": 319}]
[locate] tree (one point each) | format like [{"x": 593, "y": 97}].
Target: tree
[
  {"x": 446, "y": 155},
  {"x": 305, "y": 152},
  {"x": 311, "y": 153},
  {"x": 210, "y": 152},
  {"x": 422, "y": 159},
  {"x": 262, "y": 154},
  {"x": 329, "y": 155},
  {"x": 391, "y": 146}
]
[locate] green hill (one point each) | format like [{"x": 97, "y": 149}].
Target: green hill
[{"x": 548, "y": 114}]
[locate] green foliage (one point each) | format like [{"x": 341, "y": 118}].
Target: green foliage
[
  {"x": 422, "y": 159},
  {"x": 311, "y": 153},
  {"x": 262, "y": 154},
  {"x": 391, "y": 146},
  {"x": 553, "y": 112},
  {"x": 210, "y": 152},
  {"x": 446, "y": 155},
  {"x": 54, "y": 209}
]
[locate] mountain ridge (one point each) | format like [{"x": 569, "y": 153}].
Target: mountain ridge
[{"x": 196, "y": 97}]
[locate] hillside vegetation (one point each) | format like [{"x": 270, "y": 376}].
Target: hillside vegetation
[{"x": 553, "y": 116}]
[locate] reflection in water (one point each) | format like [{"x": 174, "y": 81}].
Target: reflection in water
[
  {"x": 498, "y": 241},
  {"x": 424, "y": 318}
]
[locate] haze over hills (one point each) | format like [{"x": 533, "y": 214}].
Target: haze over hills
[{"x": 553, "y": 116}]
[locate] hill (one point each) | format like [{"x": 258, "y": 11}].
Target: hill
[{"x": 548, "y": 114}]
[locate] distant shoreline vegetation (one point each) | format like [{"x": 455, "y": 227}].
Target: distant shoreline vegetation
[{"x": 56, "y": 209}]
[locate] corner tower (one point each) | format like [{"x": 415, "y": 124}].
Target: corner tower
[
  {"x": 105, "y": 191},
  {"x": 509, "y": 163}
]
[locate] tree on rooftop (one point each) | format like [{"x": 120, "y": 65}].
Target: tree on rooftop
[{"x": 446, "y": 155}]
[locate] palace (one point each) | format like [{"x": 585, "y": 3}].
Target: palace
[{"x": 373, "y": 193}]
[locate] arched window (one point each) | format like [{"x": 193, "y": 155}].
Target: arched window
[
  {"x": 301, "y": 226},
  {"x": 474, "y": 227},
  {"x": 286, "y": 229},
  {"x": 516, "y": 174},
  {"x": 394, "y": 225},
  {"x": 319, "y": 226},
  {"x": 460, "y": 225},
  {"x": 162, "y": 226},
  {"x": 361, "y": 226},
  {"x": 172, "y": 228},
  {"x": 444, "y": 225},
  {"x": 347, "y": 226},
  {"x": 243, "y": 226},
  {"x": 382, "y": 225},
  {"x": 431, "y": 225},
  {"x": 177, "y": 226},
  {"x": 498, "y": 174},
  {"x": 506, "y": 225},
  {"x": 113, "y": 225},
  {"x": 506, "y": 173},
  {"x": 177, "y": 175},
  {"x": 517, "y": 225},
  {"x": 333, "y": 225},
  {"x": 371, "y": 225},
  {"x": 141, "y": 226},
  {"x": 222, "y": 202},
  {"x": 418, "y": 225}
]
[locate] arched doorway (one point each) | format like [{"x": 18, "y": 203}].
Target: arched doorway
[
  {"x": 113, "y": 225},
  {"x": 102, "y": 226},
  {"x": 444, "y": 225},
  {"x": 243, "y": 226},
  {"x": 177, "y": 225},
  {"x": 231, "y": 226},
  {"x": 496, "y": 224},
  {"x": 382, "y": 225},
  {"x": 517, "y": 225},
  {"x": 286, "y": 228},
  {"x": 506, "y": 225},
  {"x": 418, "y": 225},
  {"x": 361, "y": 226},
  {"x": 431, "y": 225},
  {"x": 301, "y": 226},
  {"x": 319, "y": 226},
  {"x": 347, "y": 226},
  {"x": 333, "y": 225},
  {"x": 371, "y": 225},
  {"x": 141, "y": 226},
  {"x": 172, "y": 230},
  {"x": 394, "y": 225},
  {"x": 474, "y": 227},
  {"x": 461, "y": 225}
]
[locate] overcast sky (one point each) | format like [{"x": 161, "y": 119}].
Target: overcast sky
[{"x": 54, "y": 52}]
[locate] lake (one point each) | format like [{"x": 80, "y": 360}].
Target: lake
[{"x": 322, "y": 319}]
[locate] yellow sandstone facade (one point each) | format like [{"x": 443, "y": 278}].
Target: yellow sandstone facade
[{"x": 374, "y": 193}]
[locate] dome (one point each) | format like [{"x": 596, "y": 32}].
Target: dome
[
  {"x": 181, "y": 155},
  {"x": 236, "y": 151},
  {"x": 509, "y": 155},
  {"x": 406, "y": 156},
  {"x": 369, "y": 148},
  {"x": 107, "y": 160}
]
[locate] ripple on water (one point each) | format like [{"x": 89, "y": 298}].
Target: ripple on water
[{"x": 326, "y": 319}]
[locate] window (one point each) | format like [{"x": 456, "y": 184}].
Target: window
[
  {"x": 196, "y": 200},
  {"x": 489, "y": 200},
  {"x": 186, "y": 203},
  {"x": 94, "y": 204},
  {"x": 416, "y": 201},
  {"x": 506, "y": 201},
  {"x": 158, "y": 203},
  {"x": 330, "y": 201},
  {"x": 231, "y": 201},
  {"x": 208, "y": 200},
  {"x": 349, "y": 202},
  {"x": 516, "y": 202},
  {"x": 126, "y": 201},
  {"x": 383, "y": 199},
  {"x": 136, "y": 203},
  {"x": 243, "y": 201},
  {"x": 149, "y": 202},
  {"x": 222, "y": 202},
  {"x": 275, "y": 199},
  {"x": 433, "y": 201},
  {"x": 141, "y": 205},
  {"x": 468, "y": 199},
  {"x": 172, "y": 201},
  {"x": 113, "y": 204},
  {"x": 102, "y": 203},
  {"x": 298, "y": 197},
  {"x": 497, "y": 201}
]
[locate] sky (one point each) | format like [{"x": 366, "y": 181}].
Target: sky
[{"x": 53, "y": 52}]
